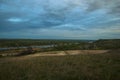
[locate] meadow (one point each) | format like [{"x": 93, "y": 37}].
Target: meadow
[
  {"x": 104, "y": 66},
  {"x": 83, "y": 66}
]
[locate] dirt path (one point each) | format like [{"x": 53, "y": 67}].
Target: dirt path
[
  {"x": 64, "y": 53},
  {"x": 55, "y": 53}
]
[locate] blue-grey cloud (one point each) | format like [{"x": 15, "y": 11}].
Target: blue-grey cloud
[{"x": 60, "y": 19}]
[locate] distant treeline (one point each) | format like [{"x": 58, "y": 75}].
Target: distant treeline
[
  {"x": 63, "y": 44},
  {"x": 36, "y": 42}
]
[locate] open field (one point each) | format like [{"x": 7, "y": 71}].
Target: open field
[{"x": 63, "y": 65}]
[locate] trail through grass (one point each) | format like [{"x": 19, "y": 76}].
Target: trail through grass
[{"x": 78, "y": 67}]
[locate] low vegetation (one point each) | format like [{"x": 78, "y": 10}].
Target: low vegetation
[
  {"x": 81, "y": 67},
  {"x": 68, "y": 67}
]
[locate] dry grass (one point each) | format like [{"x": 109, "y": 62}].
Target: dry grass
[{"x": 78, "y": 67}]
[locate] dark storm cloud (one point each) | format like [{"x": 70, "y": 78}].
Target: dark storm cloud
[
  {"x": 115, "y": 10},
  {"x": 113, "y": 6}
]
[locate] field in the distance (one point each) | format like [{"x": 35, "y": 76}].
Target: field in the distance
[{"x": 82, "y": 66}]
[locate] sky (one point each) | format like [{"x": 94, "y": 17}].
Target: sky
[{"x": 60, "y": 19}]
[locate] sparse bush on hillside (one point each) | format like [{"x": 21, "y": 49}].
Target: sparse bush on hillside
[{"x": 29, "y": 50}]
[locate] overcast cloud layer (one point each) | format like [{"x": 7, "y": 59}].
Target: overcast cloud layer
[{"x": 60, "y": 19}]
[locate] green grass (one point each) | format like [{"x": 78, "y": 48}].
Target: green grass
[{"x": 80, "y": 67}]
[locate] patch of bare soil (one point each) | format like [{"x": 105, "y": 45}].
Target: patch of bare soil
[
  {"x": 69, "y": 52},
  {"x": 55, "y": 53}
]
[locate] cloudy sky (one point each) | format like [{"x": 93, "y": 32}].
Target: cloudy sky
[{"x": 60, "y": 19}]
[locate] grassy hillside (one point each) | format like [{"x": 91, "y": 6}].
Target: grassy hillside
[
  {"x": 107, "y": 43},
  {"x": 81, "y": 67}
]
